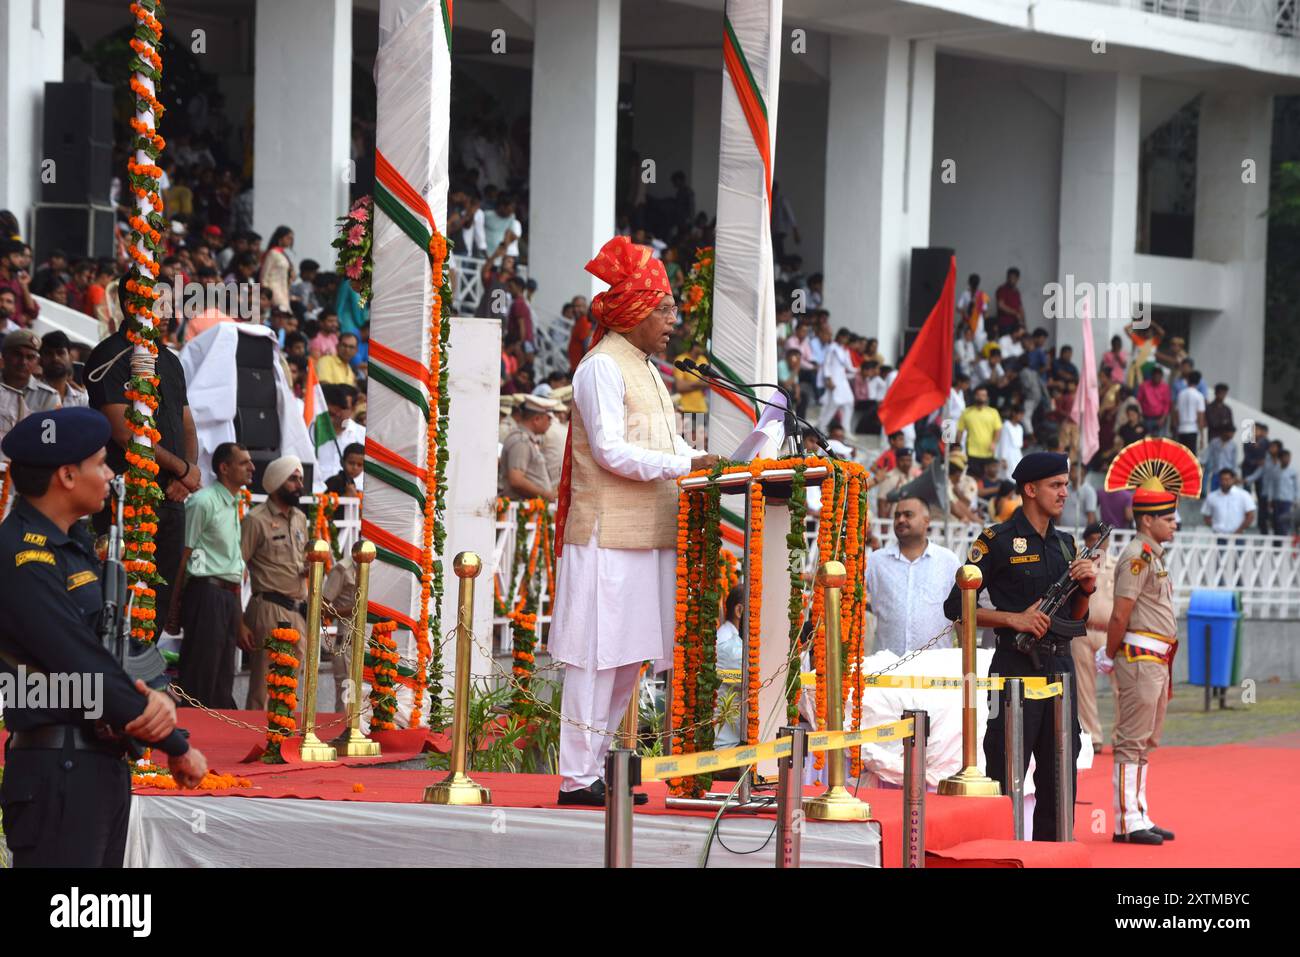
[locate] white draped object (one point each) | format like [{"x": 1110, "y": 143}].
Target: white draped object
[{"x": 744, "y": 310}]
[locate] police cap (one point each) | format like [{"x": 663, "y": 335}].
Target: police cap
[
  {"x": 57, "y": 437},
  {"x": 1040, "y": 465}
]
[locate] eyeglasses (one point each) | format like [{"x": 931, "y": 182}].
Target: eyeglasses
[{"x": 670, "y": 311}]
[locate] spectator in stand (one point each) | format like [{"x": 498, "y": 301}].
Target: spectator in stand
[
  {"x": 83, "y": 274},
  {"x": 1218, "y": 414},
  {"x": 1265, "y": 480},
  {"x": 15, "y": 275},
  {"x": 1191, "y": 409},
  {"x": 1064, "y": 367},
  {"x": 21, "y": 393},
  {"x": 8, "y": 306},
  {"x": 819, "y": 345},
  {"x": 888, "y": 459},
  {"x": 989, "y": 369},
  {"x": 583, "y": 328},
  {"x": 868, "y": 392},
  {"x": 277, "y": 267},
  {"x": 956, "y": 404},
  {"x": 54, "y": 272},
  {"x": 837, "y": 399},
  {"x": 787, "y": 373},
  {"x": 302, "y": 294},
  {"x": 1132, "y": 428},
  {"x": 694, "y": 391},
  {"x": 341, "y": 402},
  {"x": 1228, "y": 510},
  {"x": 1186, "y": 368},
  {"x": 554, "y": 381},
  {"x": 1115, "y": 361},
  {"x": 344, "y": 482},
  {"x": 1011, "y": 442},
  {"x": 963, "y": 493},
  {"x": 243, "y": 271},
  {"x": 95, "y": 303},
  {"x": 1221, "y": 453},
  {"x": 326, "y": 341},
  {"x": 1156, "y": 402},
  {"x": 519, "y": 319},
  {"x": 1285, "y": 488},
  {"x": 352, "y": 315},
  {"x": 973, "y": 309},
  {"x": 1081, "y": 505},
  {"x": 1116, "y": 508},
  {"x": 802, "y": 340},
  {"x": 980, "y": 426},
  {"x": 1253, "y": 455},
  {"x": 965, "y": 352},
  {"x": 1010, "y": 309},
  {"x": 495, "y": 301},
  {"x": 501, "y": 229},
  {"x": 902, "y": 473},
  {"x": 56, "y": 370},
  {"x": 1012, "y": 343},
  {"x": 336, "y": 367}
]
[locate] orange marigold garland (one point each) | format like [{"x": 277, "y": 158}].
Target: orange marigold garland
[
  {"x": 677, "y": 717},
  {"x": 4, "y": 492},
  {"x": 754, "y": 615},
  {"x": 382, "y": 658},
  {"x": 523, "y": 615},
  {"x": 281, "y": 691},
  {"x": 142, "y": 330}
]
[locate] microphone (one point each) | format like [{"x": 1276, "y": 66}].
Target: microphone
[{"x": 686, "y": 365}]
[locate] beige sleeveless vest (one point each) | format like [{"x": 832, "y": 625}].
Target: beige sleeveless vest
[{"x": 631, "y": 514}]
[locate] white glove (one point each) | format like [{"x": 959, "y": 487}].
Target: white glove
[{"x": 1105, "y": 664}]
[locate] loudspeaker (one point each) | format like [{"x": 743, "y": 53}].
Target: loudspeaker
[
  {"x": 257, "y": 427},
  {"x": 925, "y": 282},
  {"x": 80, "y": 232},
  {"x": 78, "y": 137},
  {"x": 931, "y": 486}
]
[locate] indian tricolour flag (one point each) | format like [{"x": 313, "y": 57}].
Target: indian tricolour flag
[{"x": 314, "y": 410}]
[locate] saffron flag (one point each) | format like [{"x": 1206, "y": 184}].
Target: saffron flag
[
  {"x": 315, "y": 413},
  {"x": 1087, "y": 404},
  {"x": 925, "y": 375}
]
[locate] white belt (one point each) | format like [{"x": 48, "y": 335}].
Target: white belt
[{"x": 1147, "y": 642}]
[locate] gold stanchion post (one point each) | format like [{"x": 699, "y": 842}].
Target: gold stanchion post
[
  {"x": 456, "y": 787},
  {"x": 837, "y": 803},
  {"x": 352, "y": 743},
  {"x": 313, "y": 748},
  {"x": 969, "y": 782}
]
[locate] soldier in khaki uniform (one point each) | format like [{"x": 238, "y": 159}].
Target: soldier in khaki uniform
[
  {"x": 274, "y": 543},
  {"x": 523, "y": 472},
  {"x": 1142, "y": 637},
  {"x": 1084, "y": 649}
]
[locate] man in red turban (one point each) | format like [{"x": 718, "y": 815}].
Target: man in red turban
[{"x": 617, "y": 518}]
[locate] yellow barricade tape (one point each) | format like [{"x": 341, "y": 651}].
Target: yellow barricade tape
[
  {"x": 731, "y": 676},
  {"x": 1036, "y": 687},
  {"x": 683, "y": 765},
  {"x": 1046, "y": 691}
]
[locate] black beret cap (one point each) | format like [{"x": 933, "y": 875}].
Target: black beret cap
[
  {"x": 1040, "y": 465},
  {"x": 58, "y": 437}
]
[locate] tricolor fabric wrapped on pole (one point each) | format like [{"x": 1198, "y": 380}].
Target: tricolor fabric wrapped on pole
[
  {"x": 407, "y": 365},
  {"x": 743, "y": 344}
]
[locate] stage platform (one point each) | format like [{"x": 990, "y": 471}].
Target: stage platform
[{"x": 368, "y": 812}]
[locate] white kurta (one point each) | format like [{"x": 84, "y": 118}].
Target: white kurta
[{"x": 614, "y": 606}]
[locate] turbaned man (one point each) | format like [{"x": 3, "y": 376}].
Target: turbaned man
[{"x": 616, "y": 526}]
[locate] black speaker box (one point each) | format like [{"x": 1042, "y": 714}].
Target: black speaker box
[
  {"x": 78, "y": 137},
  {"x": 925, "y": 282},
  {"x": 79, "y": 231}
]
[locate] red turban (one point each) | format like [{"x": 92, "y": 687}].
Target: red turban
[{"x": 637, "y": 284}]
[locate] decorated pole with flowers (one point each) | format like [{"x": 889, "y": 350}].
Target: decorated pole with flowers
[
  {"x": 143, "y": 329},
  {"x": 406, "y": 441}
]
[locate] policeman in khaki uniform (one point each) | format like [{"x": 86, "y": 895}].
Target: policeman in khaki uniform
[
  {"x": 523, "y": 469},
  {"x": 274, "y": 542},
  {"x": 1143, "y": 632}
]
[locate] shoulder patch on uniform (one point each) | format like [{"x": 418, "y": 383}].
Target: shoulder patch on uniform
[
  {"x": 1136, "y": 566},
  {"x": 988, "y": 533},
  {"x": 978, "y": 549},
  {"x": 34, "y": 555},
  {"x": 77, "y": 579},
  {"x": 34, "y": 538}
]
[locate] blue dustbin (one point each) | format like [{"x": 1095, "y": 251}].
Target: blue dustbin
[{"x": 1218, "y": 611}]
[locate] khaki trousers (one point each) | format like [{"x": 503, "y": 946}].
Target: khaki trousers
[
  {"x": 1084, "y": 651},
  {"x": 262, "y": 617},
  {"x": 1142, "y": 692}
]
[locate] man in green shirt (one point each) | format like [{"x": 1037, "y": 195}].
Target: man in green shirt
[{"x": 206, "y": 598}]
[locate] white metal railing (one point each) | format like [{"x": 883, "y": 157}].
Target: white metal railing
[
  {"x": 503, "y": 571},
  {"x": 1263, "y": 16},
  {"x": 1265, "y": 569},
  {"x": 467, "y": 282}
]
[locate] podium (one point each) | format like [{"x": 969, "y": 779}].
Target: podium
[{"x": 774, "y": 626}]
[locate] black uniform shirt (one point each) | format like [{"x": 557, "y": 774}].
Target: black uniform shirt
[
  {"x": 1018, "y": 565},
  {"x": 50, "y": 603},
  {"x": 111, "y": 390}
]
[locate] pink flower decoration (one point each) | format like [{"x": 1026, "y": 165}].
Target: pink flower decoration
[
  {"x": 361, "y": 214},
  {"x": 354, "y": 269},
  {"x": 356, "y": 234}
]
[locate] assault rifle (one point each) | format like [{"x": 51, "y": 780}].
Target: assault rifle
[{"x": 1055, "y": 598}]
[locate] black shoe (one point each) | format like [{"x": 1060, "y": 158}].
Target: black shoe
[
  {"x": 593, "y": 796},
  {"x": 1148, "y": 836},
  {"x": 1167, "y": 835}
]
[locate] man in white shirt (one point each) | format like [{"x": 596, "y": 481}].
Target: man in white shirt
[
  {"x": 907, "y": 582},
  {"x": 1229, "y": 509},
  {"x": 501, "y": 228},
  {"x": 1011, "y": 441},
  {"x": 1191, "y": 412},
  {"x": 341, "y": 401}
]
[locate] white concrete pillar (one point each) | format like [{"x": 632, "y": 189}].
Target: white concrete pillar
[
  {"x": 31, "y": 53},
  {"x": 1099, "y": 189},
  {"x": 574, "y": 144},
  {"x": 706, "y": 138},
  {"x": 879, "y": 149},
  {"x": 1234, "y": 143},
  {"x": 302, "y": 90}
]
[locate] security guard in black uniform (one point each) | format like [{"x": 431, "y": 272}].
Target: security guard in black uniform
[
  {"x": 1019, "y": 559},
  {"x": 67, "y": 789}
]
